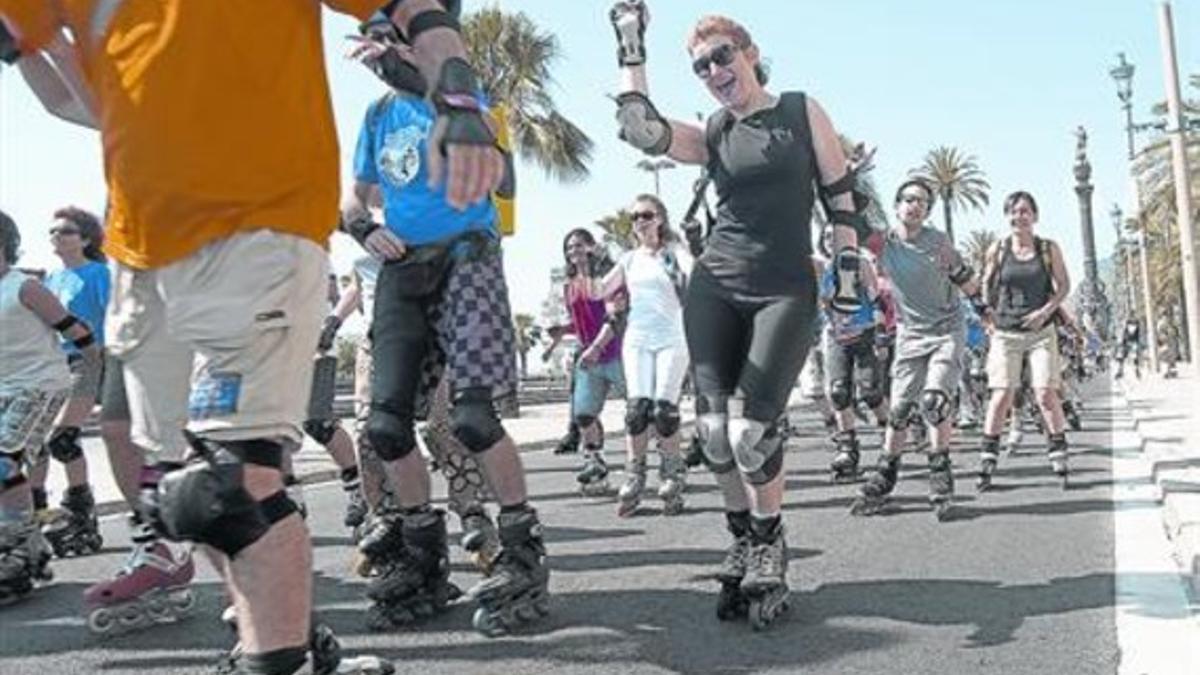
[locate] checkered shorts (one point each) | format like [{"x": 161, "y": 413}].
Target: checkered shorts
[
  {"x": 474, "y": 344},
  {"x": 25, "y": 418}
]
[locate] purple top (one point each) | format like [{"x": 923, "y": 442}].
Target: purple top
[{"x": 587, "y": 319}]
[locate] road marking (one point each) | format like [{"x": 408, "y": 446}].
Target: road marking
[{"x": 1157, "y": 631}]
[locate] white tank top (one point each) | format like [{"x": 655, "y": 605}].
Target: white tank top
[{"x": 30, "y": 357}]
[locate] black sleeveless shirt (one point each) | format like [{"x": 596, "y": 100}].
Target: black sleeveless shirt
[
  {"x": 1025, "y": 286},
  {"x": 763, "y": 168}
]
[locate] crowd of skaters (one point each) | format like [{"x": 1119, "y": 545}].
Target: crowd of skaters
[{"x": 216, "y": 290}]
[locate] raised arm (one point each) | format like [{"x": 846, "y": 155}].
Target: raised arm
[{"x": 641, "y": 125}]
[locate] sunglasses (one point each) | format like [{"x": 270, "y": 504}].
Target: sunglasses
[
  {"x": 643, "y": 215},
  {"x": 721, "y": 56},
  {"x": 64, "y": 231}
]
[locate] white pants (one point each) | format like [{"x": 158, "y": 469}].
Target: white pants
[
  {"x": 654, "y": 374},
  {"x": 222, "y": 340}
]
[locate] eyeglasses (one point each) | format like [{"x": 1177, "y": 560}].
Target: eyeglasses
[
  {"x": 63, "y": 231},
  {"x": 643, "y": 215},
  {"x": 721, "y": 56},
  {"x": 914, "y": 199}
]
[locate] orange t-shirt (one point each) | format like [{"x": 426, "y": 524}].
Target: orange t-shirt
[{"x": 214, "y": 115}]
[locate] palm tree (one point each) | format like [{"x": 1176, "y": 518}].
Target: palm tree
[
  {"x": 957, "y": 180},
  {"x": 618, "y": 230},
  {"x": 978, "y": 243},
  {"x": 1158, "y": 215},
  {"x": 513, "y": 58}
]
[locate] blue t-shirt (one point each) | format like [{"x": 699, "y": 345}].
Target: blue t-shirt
[
  {"x": 391, "y": 154},
  {"x": 977, "y": 337},
  {"x": 83, "y": 291}
]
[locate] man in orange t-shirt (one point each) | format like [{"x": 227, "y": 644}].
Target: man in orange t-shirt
[{"x": 221, "y": 162}]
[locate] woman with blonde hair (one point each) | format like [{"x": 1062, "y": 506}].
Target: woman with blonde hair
[{"x": 752, "y": 298}]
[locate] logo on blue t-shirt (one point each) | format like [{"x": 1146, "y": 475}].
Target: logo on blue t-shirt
[{"x": 391, "y": 154}]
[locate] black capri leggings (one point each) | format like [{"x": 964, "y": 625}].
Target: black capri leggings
[{"x": 752, "y": 347}]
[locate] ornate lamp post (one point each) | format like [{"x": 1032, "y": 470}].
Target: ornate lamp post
[
  {"x": 1122, "y": 75},
  {"x": 1091, "y": 293},
  {"x": 654, "y": 167}
]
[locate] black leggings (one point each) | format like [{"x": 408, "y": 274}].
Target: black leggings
[
  {"x": 856, "y": 369},
  {"x": 752, "y": 347}
]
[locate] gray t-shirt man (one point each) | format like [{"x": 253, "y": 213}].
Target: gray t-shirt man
[{"x": 929, "y": 343}]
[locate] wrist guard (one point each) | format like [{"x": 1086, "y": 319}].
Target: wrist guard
[
  {"x": 641, "y": 124},
  {"x": 455, "y": 99},
  {"x": 360, "y": 228},
  {"x": 629, "y": 22}
]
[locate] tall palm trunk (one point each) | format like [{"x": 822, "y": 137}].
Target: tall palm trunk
[{"x": 949, "y": 223}]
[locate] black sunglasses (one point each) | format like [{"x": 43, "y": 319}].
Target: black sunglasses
[
  {"x": 722, "y": 56},
  {"x": 643, "y": 215}
]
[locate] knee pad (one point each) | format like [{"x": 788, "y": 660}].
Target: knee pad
[
  {"x": 840, "y": 394},
  {"x": 321, "y": 431},
  {"x": 584, "y": 421},
  {"x": 63, "y": 444},
  {"x": 638, "y": 415},
  {"x": 473, "y": 419},
  {"x": 390, "y": 436},
  {"x": 936, "y": 407},
  {"x": 666, "y": 419},
  {"x": 205, "y": 502},
  {"x": 757, "y": 449},
  {"x": 900, "y": 415},
  {"x": 712, "y": 433}
]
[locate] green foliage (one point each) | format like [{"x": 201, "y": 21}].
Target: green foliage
[{"x": 959, "y": 182}]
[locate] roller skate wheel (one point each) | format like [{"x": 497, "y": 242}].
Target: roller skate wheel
[
  {"x": 159, "y": 608},
  {"x": 183, "y": 600},
  {"x": 101, "y": 621},
  {"x": 487, "y": 623},
  {"x": 542, "y": 606}
]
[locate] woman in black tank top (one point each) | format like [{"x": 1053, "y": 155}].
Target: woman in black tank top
[
  {"x": 1027, "y": 282},
  {"x": 751, "y": 301}
]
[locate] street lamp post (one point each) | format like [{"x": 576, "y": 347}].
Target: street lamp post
[
  {"x": 1125, "y": 251},
  {"x": 654, "y": 167},
  {"x": 1122, "y": 74}
]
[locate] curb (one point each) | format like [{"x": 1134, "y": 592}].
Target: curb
[{"x": 1176, "y": 474}]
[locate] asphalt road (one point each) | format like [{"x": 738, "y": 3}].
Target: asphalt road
[{"x": 1022, "y": 581}]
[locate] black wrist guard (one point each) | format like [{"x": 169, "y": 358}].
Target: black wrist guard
[
  {"x": 398, "y": 73},
  {"x": 455, "y": 99},
  {"x": 360, "y": 228}
]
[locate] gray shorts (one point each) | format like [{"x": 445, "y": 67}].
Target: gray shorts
[{"x": 925, "y": 363}]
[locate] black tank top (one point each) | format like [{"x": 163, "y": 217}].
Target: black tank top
[
  {"x": 763, "y": 168},
  {"x": 1025, "y": 286}
]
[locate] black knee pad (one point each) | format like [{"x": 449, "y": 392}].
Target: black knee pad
[
  {"x": 770, "y": 447},
  {"x": 841, "y": 394},
  {"x": 666, "y": 419},
  {"x": 638, "y": 415},
  {"x": 936, "y": 407},
  {"x": 871, "y": 396},
  {"x": 712, "y": 426},
  {"x": 63, "y": 444},
  {"x": 321, "y": 431},
  {"x": 900, "y": 415},
  {"x": 473, "y": 419},
  {"x": 584, "y": 421},
  {"x": 391, "y": 436},
  {"x": 205, "y": 502}
]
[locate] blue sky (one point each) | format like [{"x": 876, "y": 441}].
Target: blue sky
[{"x": 1005, "y": 81}]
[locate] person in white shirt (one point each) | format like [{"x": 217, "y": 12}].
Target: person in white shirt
[{"x": 654, "y": 351}]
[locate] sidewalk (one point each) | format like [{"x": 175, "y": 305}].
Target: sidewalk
[
  {"x": 1166, "y": 414},
  {"x": 538, "y": 428}
]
